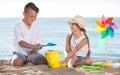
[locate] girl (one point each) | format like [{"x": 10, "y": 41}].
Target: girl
[{"x": 77, "y": 43}]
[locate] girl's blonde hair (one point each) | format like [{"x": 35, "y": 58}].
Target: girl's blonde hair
[{"x": 89, "y": 52}]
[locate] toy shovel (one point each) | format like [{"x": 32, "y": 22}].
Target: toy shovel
[{"x": 49, "y": 44}]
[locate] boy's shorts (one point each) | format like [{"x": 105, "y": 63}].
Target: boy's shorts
[{"x": 25, "y": 57}]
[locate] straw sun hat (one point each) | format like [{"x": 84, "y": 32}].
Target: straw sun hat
[{"x": 79, "y": 20}]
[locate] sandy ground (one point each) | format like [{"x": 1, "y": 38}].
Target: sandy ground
[{"x": 30, "y": 69}]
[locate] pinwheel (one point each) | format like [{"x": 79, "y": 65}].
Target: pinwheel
[{"x": 106, "y": 27}]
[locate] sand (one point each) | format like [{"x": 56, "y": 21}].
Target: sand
[{"x": 30, "y": 69}]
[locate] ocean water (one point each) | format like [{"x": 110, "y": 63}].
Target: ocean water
[{"x": 55, "y": 30}]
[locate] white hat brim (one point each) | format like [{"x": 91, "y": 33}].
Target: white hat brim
[{"x": 73, "y": 21}]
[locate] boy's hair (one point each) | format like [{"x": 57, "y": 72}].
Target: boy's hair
[{"x": 32, "y": 6}]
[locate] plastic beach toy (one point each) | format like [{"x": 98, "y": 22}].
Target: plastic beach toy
[
  {"x": 49, "y": 44},
  {"x": 100, "y": 65},
  {"x": 116, "y": 65},
  {"x": 106, "y": 28},
  {"x": 53, "y": 58},
  {"x": 64, "y": 64},
  {"x": 107, "y": 65},
  {"x": 91, "y": 67}
]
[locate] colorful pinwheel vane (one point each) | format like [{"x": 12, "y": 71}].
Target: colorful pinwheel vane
[{"x": 106, "y": 27}]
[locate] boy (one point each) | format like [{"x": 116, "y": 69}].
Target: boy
[{"x": 27, "y": 39}]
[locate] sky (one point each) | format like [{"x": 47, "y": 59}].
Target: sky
[{"x": 62, "y": 8}]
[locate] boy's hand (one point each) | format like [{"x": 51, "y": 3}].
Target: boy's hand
[
  {"x": 30, "y": 56},
  {"x": 37, "y": 47}
]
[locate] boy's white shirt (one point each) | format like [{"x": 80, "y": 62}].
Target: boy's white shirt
[{"x": 22, "y": 32}]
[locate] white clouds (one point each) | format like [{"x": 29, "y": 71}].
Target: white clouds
[{"x": 63, "y": 8}]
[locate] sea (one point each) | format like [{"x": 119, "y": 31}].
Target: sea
[{"x": 55, "y": 30}]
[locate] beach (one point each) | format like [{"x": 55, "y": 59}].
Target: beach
[{"x": 30, "y": 69}]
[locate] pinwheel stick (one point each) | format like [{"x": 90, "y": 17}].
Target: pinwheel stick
[{"x": 106, "y": 53}]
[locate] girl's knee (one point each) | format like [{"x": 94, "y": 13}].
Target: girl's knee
[{"x": 89, "y": 61}]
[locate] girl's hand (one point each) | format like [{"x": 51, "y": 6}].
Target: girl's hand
[{"x": 63, "y": 61}]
